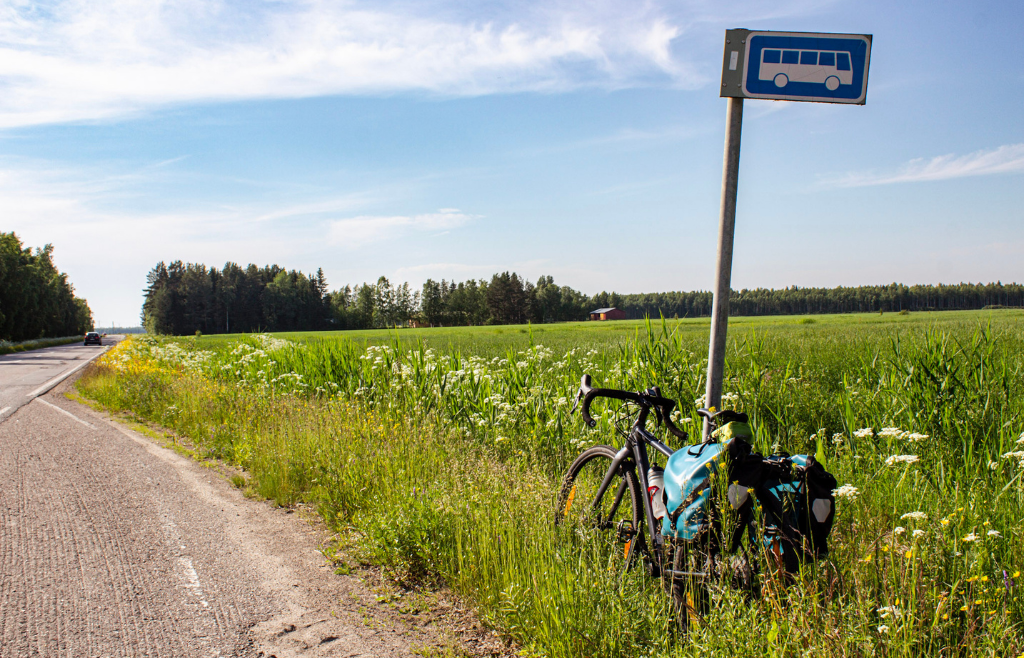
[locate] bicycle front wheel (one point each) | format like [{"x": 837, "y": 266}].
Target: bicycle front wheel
[{"x": 610, "y": 527}]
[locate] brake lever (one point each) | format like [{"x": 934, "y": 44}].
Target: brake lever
[{"x": 579, "y": 396}]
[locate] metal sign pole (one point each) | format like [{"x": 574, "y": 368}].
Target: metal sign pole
[{"x": 723, "y": 269}]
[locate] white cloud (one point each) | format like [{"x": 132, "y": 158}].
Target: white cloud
[
  {"x": 106, "y": 246},
  {"x": 80, "y": 60},
  {"x": 366, "y": 229},
  {"x": 1008, "y": 158}
]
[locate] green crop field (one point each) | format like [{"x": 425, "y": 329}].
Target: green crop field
[{"x": 437, "y": 453}]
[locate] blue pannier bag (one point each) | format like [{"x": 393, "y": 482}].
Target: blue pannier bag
[{"x": 794, "y": 494}]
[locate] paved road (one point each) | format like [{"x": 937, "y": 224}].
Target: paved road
[
  {"x": 26, "y": 375},
  {"x": 111, "y": 545}
]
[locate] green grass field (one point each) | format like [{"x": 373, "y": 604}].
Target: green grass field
[
  {"x": 437, "y": 453},
  {"x": 493, "y": 340}
]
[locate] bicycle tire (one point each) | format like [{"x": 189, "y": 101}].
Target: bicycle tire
[
  {"x": 601, "y": 530},
  {"x": 691, "y": 595}
]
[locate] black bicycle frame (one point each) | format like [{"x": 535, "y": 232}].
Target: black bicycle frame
[{"x": 636, "y": 446}]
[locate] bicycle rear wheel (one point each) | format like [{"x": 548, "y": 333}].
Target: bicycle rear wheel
[
  {"x": 688, "y": 583},
  {"x": 610, "y": 529}
]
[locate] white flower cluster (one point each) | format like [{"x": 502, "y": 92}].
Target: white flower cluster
[
  {"x": 897, "y": 433},
  {"x": 847, "y": 491},
  {"x": 1017, "y": 454},
  {"x": 895, "y": 460},
  {"x": 865, "y": 433},
  {"x": 727, "y": 398},
  {"x": 915, "y": 516},
  {"x": 890, "y": 611}
]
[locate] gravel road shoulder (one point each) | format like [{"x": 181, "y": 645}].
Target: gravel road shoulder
[{"x": 111, "y": 544}]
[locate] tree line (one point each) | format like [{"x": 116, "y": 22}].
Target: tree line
[
  {"x": 794, "y": 300},
  {"x": 182, "y": 298},
  {"x": 37, "y": 300}
]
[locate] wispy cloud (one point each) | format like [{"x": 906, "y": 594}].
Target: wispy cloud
[
  {"x": 367, "y": 229},
  {"x": 107, "y": 244},
  {"x": 80, "y": 60},
  {"x": 1002, "y": 160}
]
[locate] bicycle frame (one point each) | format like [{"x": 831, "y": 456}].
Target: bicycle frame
[{"x": 636, "y": 447}]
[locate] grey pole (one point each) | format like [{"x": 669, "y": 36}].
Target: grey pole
[{"x": 723, "y": 269}]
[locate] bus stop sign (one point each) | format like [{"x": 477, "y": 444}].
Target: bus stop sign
[{"x": 796, "y": 66}]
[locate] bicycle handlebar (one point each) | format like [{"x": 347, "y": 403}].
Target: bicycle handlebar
[{"x": 663, "y": 406}]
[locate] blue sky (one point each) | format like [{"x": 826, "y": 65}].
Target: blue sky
[{"x": 457, "y": 139}]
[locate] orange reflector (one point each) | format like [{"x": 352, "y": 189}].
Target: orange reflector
[
  {"x": 568, "y": 503},
  {"x": 625, "y": 553}
]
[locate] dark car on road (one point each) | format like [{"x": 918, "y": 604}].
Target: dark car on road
[{"x": 93, "y": 338}]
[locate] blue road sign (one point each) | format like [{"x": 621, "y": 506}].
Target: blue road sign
[{"x": 797, "y": 66}]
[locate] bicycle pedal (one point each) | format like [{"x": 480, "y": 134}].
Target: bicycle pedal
[{"x": 625, "y": 531}]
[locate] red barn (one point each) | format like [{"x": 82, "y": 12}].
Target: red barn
[{"x": 608, "y": 314}]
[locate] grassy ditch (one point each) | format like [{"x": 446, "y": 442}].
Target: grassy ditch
[
  {"x": 7, "y": 347},
  {"x": 446, "y": 464}
]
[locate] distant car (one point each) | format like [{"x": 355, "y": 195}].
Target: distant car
[{"x": 93, "y": 337}]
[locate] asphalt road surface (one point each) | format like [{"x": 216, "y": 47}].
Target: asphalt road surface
[{"x": 111, "y": 545}]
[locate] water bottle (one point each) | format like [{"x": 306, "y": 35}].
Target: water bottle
[{"x": 655, "y": 489}]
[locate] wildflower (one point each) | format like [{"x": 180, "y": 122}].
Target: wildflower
[
  {"x": 969, "y": 538},
  {"x": 889, "y": 610},
  {"x": 898, "y": 530},
  {"x": 994, "y": 533},
  {"x": 916, "y": 516},
  {"x": 890, "y": 433},
  {"x": 993, "y": 466},
  {"x": 917, "y": 533},
  {"x": 883, "y": 629},
  {"x": 901, "y": 459},
  {"x": 865, "y": 433},
  {"x": 1019, "y": 455},
  {"x": 847, "y": 491},
  {"x": 837, "y": 439},
  {"x": 914, "y": 437}
]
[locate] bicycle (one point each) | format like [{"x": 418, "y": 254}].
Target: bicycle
[{"x": 689, "y": 569}]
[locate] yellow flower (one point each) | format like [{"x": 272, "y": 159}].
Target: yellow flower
[
  {"x": 944, "y": 521},
  {"x": 945, "y": 616},
  {"x": 984, "y": 579},
  {"x": 972, "y": 579},
  {"x": 1016, "y": 574},
  {"x": 963, "y": 609},
  {"x": 909, "y": 554}
]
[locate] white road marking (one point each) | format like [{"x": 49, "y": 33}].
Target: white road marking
[
  {"x": 188, "y": 576},
  {"x": 61, "y": 377},
  {"x": 4, "y": 410},
  {"x": 66, "y": 413}
]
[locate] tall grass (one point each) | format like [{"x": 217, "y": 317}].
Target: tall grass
[
  {"x": 7, "y": 347},
  {"x": 444, "y": 464}
]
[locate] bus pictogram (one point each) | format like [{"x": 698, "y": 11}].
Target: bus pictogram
[{"x": 783, "y": 66}]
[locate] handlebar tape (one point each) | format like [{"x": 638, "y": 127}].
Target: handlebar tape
[{"x": 665, "y": 405}]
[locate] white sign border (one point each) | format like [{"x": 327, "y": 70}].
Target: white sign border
[{"x": 860, "y": 100}]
